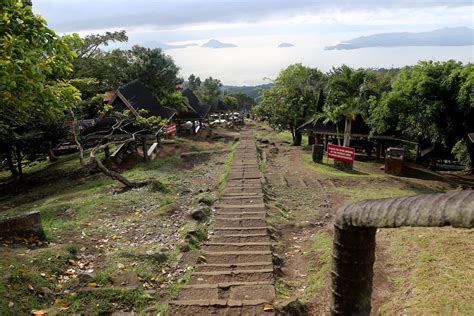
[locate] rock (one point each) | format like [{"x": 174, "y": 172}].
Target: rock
[
  {"x": 291, "y": 306},
  {"x": 46, "y": 292},
  {"x": 200, "y": 213},
  {"x": 159, "y": 256},
  {"x": 206, "y": 199},
  {"x": 126, "y": 279},
  {"x": 124, "y": 313},
  {"x": 85, "y": 278}
]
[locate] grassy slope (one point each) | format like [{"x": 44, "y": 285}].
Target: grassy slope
[
  {"x": 432, "y": 267},
  {"x": 71, "y": 207}
]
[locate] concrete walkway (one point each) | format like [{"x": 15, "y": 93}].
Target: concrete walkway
[{"x": 237, "y": 278}]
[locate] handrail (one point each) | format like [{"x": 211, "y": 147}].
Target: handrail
[{"x": 354, "y": 239}]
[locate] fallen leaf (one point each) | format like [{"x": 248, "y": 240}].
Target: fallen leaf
[
  {"x": 92, "y": 284},
  {"x": 71, "y": 261},
  {"x": 116, "y": 237},
  {"x": 30, "y": 287},
  {"x": 202, "y": 258},
  {"x": 267, "y": 307},
  {"x": 39, "y": 312}
]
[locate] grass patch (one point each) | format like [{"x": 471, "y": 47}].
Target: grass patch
[
  {"x": 318, "y": 278},
  {"x": 175, "y": 288},
  {"x": 158, "y": 186},
  {"x": 360, "y": 192},
  {"x": 361, "y": 169},
  {"x": 222, "y": 182},
  {"x": 433, "y": 268},
  {"x": 282, "y": 289}
]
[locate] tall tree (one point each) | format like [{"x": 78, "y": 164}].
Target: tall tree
[
  {"x": 194, "y": 83},
  {"x": 210, "y": 91},
  {"x": 245, "y": 102},
  {"x": 292, "y": 99},
  {"x": 349, "y": 94},
  {"x": 32, "y": 59},
  {"x": 431, "y": 100}
]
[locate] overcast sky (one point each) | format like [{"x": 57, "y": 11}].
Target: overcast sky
[{"x": 257, "y": 27}]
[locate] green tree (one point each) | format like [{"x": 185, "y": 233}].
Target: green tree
[
  {"x": 292, "y": 99},
  {"x": 245, "y": 102},
  {"x": 193, "y": 82},
  {"x": 350, "y": 92},
  {"x": 210, "y": 91},
  {"x": 431, "y": 100},
  {"x": 32, "y": 59},
  {"x": 231, "y": 101}
]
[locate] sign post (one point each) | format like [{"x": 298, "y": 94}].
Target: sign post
[{"x": 341, "y": 153}]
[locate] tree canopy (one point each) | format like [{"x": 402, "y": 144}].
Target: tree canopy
[
  {"x": 32, "y": 59},
  {"x": 292, "y": 98}
]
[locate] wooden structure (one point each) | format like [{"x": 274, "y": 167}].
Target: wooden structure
[
  {"x": 195, "y": 113},
  {"x": 325, "y": 133},
  {"x": 135, "y": 97}
]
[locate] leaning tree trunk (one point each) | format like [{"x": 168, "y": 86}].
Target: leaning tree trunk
[
  {"x": 19, "y": 163},
  {"x": 10, "y": 163},
  {"x": 110, "y": 173},
  {"x": 75, "y": 133}
]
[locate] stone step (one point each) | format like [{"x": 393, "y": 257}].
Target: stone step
[
  {"x": 242, "y": 190},
  {"x": 220, "y": 247},
  {"x": 241, "y": 238},
  {"x": 218, "y": 310},
  {"x": 233, "y": 267},
  {"x": 243, "y": 199},
  {"x": 256, "y": 215},
  {"x": 226, "y": 231},
  {"x": 238, "y": 256},
  {"x": 239, "y": 222},
  {"x": 231, "y": 276}
]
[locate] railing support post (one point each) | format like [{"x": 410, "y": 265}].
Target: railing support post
[{"x": 352, "y": 270}]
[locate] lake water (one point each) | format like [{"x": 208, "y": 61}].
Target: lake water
[{"x": 252, "y": 61}]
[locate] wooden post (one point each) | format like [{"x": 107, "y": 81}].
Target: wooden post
[
  {"x": 145, "y": 149},
  {"x": 194, "y": 128},
  {"x": 326, "y": 142},
  {"x": 311, "y": 139},
  {"x": 158, "y": 140}
]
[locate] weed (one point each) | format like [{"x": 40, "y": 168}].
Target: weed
[
  {"x": 317, "y": 278},
  {"x": 222, "y": 183},
  {"x": 175, "y": 288},
  {"x": 158, "y": 186},
  {"x": 282, "y": 289}
]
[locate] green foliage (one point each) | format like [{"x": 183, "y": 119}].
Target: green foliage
[
  {"x": 209, "y": 91},
  {"x": 292, "y": 98},
  {"x": 32, "y": 59},
  {"x": 433, "y": 101},
  {"x": 158, "y": 186},
  {"x": 231, "y": 101},
  {"x": 194, "y": 83},
  {"x": 244, "y": 102}
]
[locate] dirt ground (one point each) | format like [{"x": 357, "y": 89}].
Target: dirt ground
[{"x": 304, "y": 198}]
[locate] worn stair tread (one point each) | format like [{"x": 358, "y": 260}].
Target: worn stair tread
[
  {"x": 225, "y": 253},
  {"x": 232, "y": 272},
  {"x": 241, "y": 206},
  {"x": 238, "y": 244},
  {"x": 226, "y": 284},
  {"x": 240, "y": 228},
  {"x": 246, "y": 264},
  {"x": 247, "y": 235},
  {"x": 220, "y": 302}
]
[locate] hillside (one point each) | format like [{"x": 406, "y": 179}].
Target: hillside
[
  {"x": 453, "y": 36},
  {"x": 251, "y": 91}
]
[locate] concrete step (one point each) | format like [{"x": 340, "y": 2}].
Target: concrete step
[
  {"x": 242, "y": 190},
  {"x": 218, "y": 310},
  {"x": 219, "y": 247},
  {"x": 233, "y": 267},
  {"x": 239, "y": 222},
  {"x": 243, "y": 214},
  {"x": 226, "y": 231},
  {"x": 242, "y": 238},
  {"x": 238, "y": 256},
  {"x": 231, "y": 276}
]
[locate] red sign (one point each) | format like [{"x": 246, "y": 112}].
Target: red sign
[
  {"x": 341, "y": 153},
  {"x": 170, "y": 130}
]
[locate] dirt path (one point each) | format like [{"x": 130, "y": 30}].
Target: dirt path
[{"x": 237, "y": 275}]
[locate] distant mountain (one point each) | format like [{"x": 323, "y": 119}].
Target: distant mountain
[
  {"x": 283, "y": 45},
  {"x": 251, "y": 91},
  {"x": 155, "y": 44},
  {"x": 213, "y": 43},
  {"x": 452, "y": 36}
]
